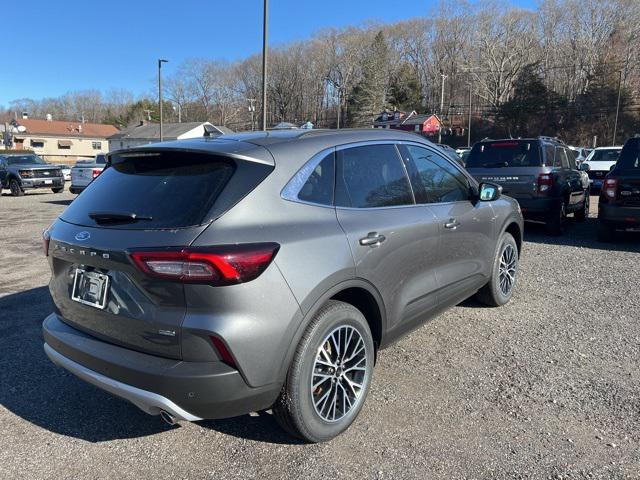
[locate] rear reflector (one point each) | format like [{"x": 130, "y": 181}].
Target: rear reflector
[
  {"x": 220, "y": 265},
  {"x": 225, "y": 354}
]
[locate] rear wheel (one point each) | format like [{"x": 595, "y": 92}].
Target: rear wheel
[
  {"x": 16, "y": 189},
  {"x": 57, "y": 190},
  {"x": 557, "y": 219},
  {"x": 582, "y": 214},
  {"x": 499, "y": 290},
  {"x": 330, "y": 375},
  {"x": 605, "y": 232}
]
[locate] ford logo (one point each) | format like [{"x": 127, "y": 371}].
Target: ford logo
[{"x": 82, "y": 236}]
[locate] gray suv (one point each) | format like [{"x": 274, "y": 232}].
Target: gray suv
[
  {"x": 214, "y": 277},
  {"x": 540, "y": 173}
]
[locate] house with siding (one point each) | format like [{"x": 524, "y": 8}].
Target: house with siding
[{"x": 59, "y": 141}]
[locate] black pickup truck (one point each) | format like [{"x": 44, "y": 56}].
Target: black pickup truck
[
  {"x": 619, "y": 205},
  {"x": 23, "y": 171}
]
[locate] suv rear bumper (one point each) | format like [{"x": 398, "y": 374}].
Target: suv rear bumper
[
  {"x": 536, "y": 207},
  {"x": 620, "y": 217},
  {"x": 187, "y": 390}
]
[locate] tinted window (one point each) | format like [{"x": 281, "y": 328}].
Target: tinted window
[
  {"x": 604, "y": 156},
  {"x": 318, "y": 187},
  {"x": 25, "y": 160},
  {"x": 101, "y": 160},
  {"x": 507, "y": 153},
  {"x": 436, "y": 180},
  {"x": 175, "y": 189},
  {"x": 550, "y": 155},
  {"x": 630, "y": 156},
  {"x": 371, "y": 176}
]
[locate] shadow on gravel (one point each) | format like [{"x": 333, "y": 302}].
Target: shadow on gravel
[
  {"x": 59, "y": 202},
  {"x": 261, "y": 428},
  {"x": 582, "y": 235},
  {"x": 41, "y": 393}
]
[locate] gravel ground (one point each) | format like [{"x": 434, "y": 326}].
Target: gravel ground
[{"x": 545, "y": 387}]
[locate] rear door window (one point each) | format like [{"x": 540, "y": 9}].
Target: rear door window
[
  {"x": 505, "y": 153},
  {"x": 167, "y": 189},
  {"x": 371, "y": 176}
]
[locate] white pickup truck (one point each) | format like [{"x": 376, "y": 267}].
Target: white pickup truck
[{"x": 84, "y": 173}]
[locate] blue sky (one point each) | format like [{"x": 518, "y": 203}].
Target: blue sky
[{"x": 52, "y": 47}]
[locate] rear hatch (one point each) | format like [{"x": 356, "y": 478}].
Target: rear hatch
[
  {"x": 151, "y": 198},
  {"x": 513, "y": 164}
]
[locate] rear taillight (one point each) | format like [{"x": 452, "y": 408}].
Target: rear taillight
[
  {"x": 96, "y": 172},
  {"x": 223, "y": 265},
  {"x": 46, "y": 239},
  {"x": 610, "y": 188},
  {"x": 545, "y": 183}
]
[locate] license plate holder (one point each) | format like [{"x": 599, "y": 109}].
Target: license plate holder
[
  {"x": 48, "y": 182},
  {"x": 90, "y": 288}
]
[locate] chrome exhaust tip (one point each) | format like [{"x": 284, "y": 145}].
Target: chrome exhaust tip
[{"x": 168, "y": 418}]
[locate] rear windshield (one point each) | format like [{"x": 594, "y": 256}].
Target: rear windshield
[
  {"x": 164, "y": 190},
  {"x": 630, "y": 156},
  {"x": 507, "y": 153},
  {"x": 604, "y": 156}
]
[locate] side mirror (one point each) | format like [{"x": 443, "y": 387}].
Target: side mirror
[
  {"x": 584, "y": 167},
  {"x": 490, "y": 192}
]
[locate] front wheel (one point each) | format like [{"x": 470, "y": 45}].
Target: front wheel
[
  {"x": 16, "y": 189},
  {"x": 499, "y": 290},
  {"x": 330, "y": 375}
]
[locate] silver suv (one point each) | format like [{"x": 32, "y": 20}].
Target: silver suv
[{"x": 210, "y": 278}]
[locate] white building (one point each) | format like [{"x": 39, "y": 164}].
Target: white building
[{"x": 146, "y": 133}]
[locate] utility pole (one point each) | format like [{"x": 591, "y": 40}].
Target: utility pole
[
  {"x": 252, "y": 110},
  {"x": 615, "y": 125},
  {"x": 469, "y": 126},
  {"x": 160, "y": 62},
  {"x": 264, "y": 64},
  {"x": 441, "y": 106}
]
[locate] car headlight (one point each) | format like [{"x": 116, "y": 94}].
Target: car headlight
[{"x": 26, "y": 173}]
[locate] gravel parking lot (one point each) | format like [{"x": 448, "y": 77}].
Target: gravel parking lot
[{"x": 546, "y": 387}]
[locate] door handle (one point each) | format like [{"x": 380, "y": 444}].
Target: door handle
[
  {"x": 452, "y": 224},
  {"x": 373, "y": 239}
]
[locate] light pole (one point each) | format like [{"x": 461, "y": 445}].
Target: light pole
[
  {"x": 469, "y": 127},
  {"x": 160, "y": 62},
  {"x": 441, "y": 106},
  {"x": 264, "y": 64},
  {"x": 615, "y": 125}
]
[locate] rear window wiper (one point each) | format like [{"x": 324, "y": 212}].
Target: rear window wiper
[
  {"x": 117, "y": 217},
  {"x": 495, "y": 164}
]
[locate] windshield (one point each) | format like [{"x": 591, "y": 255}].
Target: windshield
[
  {"x": 630, "y": 156},
  {"x": 608, "y": 155},
  {"x": 25, "y": 160},
  {"x": 504, "y": 153}
]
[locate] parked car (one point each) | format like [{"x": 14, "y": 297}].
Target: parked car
[
  {"x": 84, "y": 173},
  {"x": 580, "y": 154},
  {"x": 539, "y": 173},
  {"x": 211, "y": 278},
  {"x": 25, "y": 171},
  {"x": 598, "y": 164},
  {"x": 619, "y": 204}
]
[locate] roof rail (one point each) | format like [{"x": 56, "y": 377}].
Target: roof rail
[{"x": 553, "y": 139}]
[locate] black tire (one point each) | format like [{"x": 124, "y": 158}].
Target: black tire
[
  {"x": 294, "y": 409},
  {"x": 557, "y": 219},
  {"x": 582, "y": 214},
  {"x": 605, "y": 232},
  {"x": 57, "y": 190},
  {"x": 16, "y": 189},
  {"x": 492, "y": 294}
]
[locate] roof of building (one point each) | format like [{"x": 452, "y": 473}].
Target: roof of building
[
  {"x": 61, "y": 128},
  {"x": 419, "y": 119},
  {"x": 151, "y": 131}
]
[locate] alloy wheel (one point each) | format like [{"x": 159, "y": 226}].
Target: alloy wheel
[
  {"x": 339, "y": 373},
  {"x": 508, "y": 267}
]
